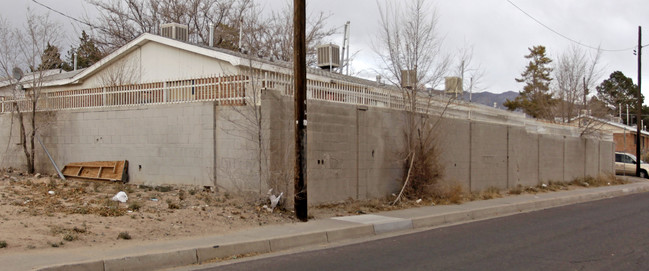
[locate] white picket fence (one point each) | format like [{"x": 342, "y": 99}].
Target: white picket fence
[
  {"x": 237, "y": 90},
  {"x": 226, "y": 90}
]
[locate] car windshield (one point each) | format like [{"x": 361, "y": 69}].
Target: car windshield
[{"x": 635, "y": 159}]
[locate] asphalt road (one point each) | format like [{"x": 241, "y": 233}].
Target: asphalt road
[{"x": 611, "y": 234}]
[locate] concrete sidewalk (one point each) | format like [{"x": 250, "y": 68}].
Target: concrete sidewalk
[{"x": 167, "y": 254}]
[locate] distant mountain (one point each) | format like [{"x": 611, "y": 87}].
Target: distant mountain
[
  {"x": 485, "y": 98},
  {"x": 488, "y": 98}
]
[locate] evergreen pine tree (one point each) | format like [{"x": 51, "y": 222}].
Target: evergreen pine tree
[{"x": 536, "y": 99}]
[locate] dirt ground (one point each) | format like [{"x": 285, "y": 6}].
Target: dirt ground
[{"x": 44, "y": 212}]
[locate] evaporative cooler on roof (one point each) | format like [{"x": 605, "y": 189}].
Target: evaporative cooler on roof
[{"x": 328, "y": 56}]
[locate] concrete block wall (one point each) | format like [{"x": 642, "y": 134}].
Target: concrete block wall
[
  {"x": 606, "y": 157},
  {"x": 488, "y": 151},
  {"x": 379, "y": 152},
  {"x": 354, "y": 151},
  {"x": 454, "y": 140},
  {"x": 551, "y": 157},
  {"x": 11, "y": 155},
  {"x": 574, "y": 164},
  {"x": 523, "y": 151},
  {"x": 237, "y": 156},
  {"x": 591, "y": 157},
  {"x": 164, "y": 144}
]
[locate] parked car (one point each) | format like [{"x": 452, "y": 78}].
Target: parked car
[{"x": 625, "y": 163}]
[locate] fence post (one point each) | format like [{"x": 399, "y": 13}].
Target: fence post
[
  {"x": 165, "y": 92},
  {"x": 103, "y": 96}
]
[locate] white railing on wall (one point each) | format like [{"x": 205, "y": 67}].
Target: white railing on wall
[
  {"x": 225, "y": 90},
  {"x": 244, "y": 89}
]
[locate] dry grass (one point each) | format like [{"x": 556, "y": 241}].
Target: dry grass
[
  {"x": 447, "y": 192},
  {"x": 553, "y": 186},
  {"x": 488, "y": 193},
  {"x": 601, "y": 180}
]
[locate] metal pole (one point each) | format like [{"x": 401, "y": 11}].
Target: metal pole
[
  {"x": 299, "y": 73},
  {"x": 638, "y": 105},
  {"x": 471, "y": 90},
  {"x": 50, "y": 156}
]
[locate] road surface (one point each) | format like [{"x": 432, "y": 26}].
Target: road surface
[{"x": 610, "y": 234}]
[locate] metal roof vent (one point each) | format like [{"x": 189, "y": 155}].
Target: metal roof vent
[
  {"x": 175, "y": 31},
  {"x": 328, "y": 56}
]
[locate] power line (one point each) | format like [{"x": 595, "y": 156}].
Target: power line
[
  {"x": 62, "y": 14},
  {"x": 568, "y": 38}
]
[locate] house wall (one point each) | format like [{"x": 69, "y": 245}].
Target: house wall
[
  {"x": 153, "y": 62},
  {"x": 625, "y": 142}
]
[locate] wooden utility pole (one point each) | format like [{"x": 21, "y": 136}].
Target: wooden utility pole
[
  {"x": 299, "y": 74},
  {"x": 638, "y": 105}
]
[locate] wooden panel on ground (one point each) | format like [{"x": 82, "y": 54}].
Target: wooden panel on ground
[{"x": 116, "y": 171}]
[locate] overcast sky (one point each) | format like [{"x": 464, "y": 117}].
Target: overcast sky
[{"x": 499, "y": 33}]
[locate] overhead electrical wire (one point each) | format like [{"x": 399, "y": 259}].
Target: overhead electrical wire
[
  {"x": 509, "y": 1},
  {"x": 65, "y": 15},
  {"x": 568, "y": 38}
]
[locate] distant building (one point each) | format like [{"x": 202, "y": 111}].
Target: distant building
[{"x": 624, "y": 136}]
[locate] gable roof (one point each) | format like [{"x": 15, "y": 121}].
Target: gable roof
[
  {"x": 235, "y": 58},
  {"x": 611, "y": 123}
]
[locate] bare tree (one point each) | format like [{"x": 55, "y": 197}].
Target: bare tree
[
  {"x": 409, "y": 41},
  {"x": 575, "y": 75},
  {"x": 123, "y": 20},
  {"x": 26, "y": 47},
  {"x": 237, "y": 23},
  {"x": 272, "y": 36},
  {"x": 593, "y": 123},
  {"x": 466, "y": 68},
  {"x": 122, "y": 72}
]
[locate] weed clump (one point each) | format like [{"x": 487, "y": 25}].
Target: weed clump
[
  {"x": 3, "y": 244},
  {"x": 134, "y": 206},
  {"x": 110, "y": 208},
  {"x": 163, "y": 189},
  {"x": 70, "y": 237},
  {"x": 172, "y": 205},
  {"x": 124, "y": 235},
  {"x": 447, "y": 192},
  {"x": 516, "y": 190},
  {"x": 490, "y": 193}
]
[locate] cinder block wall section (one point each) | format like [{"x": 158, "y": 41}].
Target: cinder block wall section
[
  {"x": 523, "y": 154},
  {"x": 353, "y": 151},
  {"x": 237, "y": 155},
  {"x": 164, "y": 144},
  {"x": 356, "y": 152}
]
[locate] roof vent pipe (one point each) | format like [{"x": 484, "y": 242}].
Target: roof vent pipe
[
  {"x": 211, "y": 35},
  {"x": 75, "y": 61}
]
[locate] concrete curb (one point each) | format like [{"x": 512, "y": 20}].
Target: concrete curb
[{"x": 357, "y": 227}]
